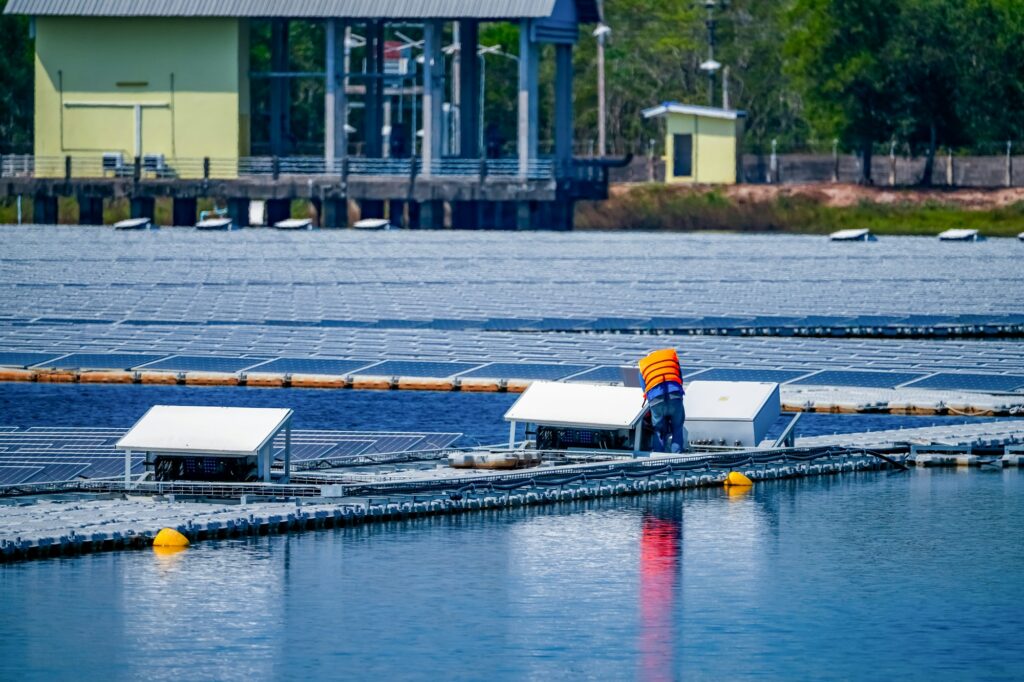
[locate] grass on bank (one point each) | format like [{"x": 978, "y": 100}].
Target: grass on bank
[{"x": 663, "y": 208}]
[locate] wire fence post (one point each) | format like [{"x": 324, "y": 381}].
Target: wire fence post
[
  {"x": 1009, "y": 163},
  {"x": 949, "y": 167},
  {"x": 835, "y": 160},
  {"x": 773, "y": 164},
  {"x": 892, "y": 162}
]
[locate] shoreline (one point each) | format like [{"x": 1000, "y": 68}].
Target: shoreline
[{"x": 804, "y": 209}]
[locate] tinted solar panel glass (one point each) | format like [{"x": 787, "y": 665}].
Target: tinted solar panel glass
[
  {"x": 103, "y": 360},
  {"x": 854, "y": 378},
  {"x": 312, "y": 366},
  {"x": 970, "y": 382},
  {"x": 772, "y": 375},
  {"x": 25, "y": 359},
  {"x": 522, "y": 370},
  {"x": 203, "y": 363},
  {"x": 414, "y": 368}
]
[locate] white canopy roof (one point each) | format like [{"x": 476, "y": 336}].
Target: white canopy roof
[
  {"x": 237, "y": 431},
  {"x": 578, "y": 405},
  {"x": 694, "y": 110}
]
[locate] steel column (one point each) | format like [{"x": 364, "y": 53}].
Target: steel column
[
  {"x": 433, "y": 94},
  {"x": 335, "y": 97},
  {"x": 527, "y": 137},
  {"x": 279, "y": 88},
  {"x": 563, "y": 109},
  {"x": 469, "y": 85}
]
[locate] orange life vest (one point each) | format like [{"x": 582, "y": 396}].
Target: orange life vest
[{"x": 659, "y": 367}]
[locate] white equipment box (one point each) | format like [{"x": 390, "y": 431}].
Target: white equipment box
[{"x": 737, "y": 412}]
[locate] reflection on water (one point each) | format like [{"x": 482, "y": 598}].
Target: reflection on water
[{"x": 869, "y": 575}]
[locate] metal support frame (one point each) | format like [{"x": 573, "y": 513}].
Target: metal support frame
[
  {"x": 280, "y": 110},
  {"x": 527, "y": 130},
  {"x": 511, "y": 435},
  {"x": 469, "y": 85},
  {"x": 335, "y": 97},
  {"x": 433, "y": 94},
  {"x": 127, "y": 468},
  {"x": 373, "y": 112},
  {"x": 287, "y": 451},
  {"x": 563, "y": 108}
]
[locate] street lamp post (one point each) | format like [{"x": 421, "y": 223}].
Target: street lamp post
[
  {"x": 711, "y": 66},
  {"x": 601, "y": 33}
]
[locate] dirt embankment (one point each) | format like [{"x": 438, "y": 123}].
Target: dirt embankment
[{"x": 805, "y": 208}]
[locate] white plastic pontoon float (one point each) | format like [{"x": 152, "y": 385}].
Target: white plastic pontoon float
[
  {"x": 854, "y": 235},
  {"x": 215, "y": 224},
  {"x": 372, "y": 224},
  {"x": 588, "y": 416},
  {"x": 294, "y": 224},
  {"x": 134, "y": 224},
  {"x": 223, "y": 443},
  {"x": 962, "y": 235}
]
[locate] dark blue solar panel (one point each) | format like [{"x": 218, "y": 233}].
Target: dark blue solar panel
[
  {"x": 607, "y": 373},
  {"x": 771, "y": 375},
  {"x": 508, "y": 323},
  {"x": 561, "y": 324},
  {"x": 970, "y": 382},
  {"x": 312, "y": 366},
  {"x": 204, "y": 363},
  {"x": 673, "y": 322},
  {"x": 14, "y": 474},
  {"x": 720, "y": 322},
  {"x": 835, "y": 377},
  {"x": 523, "y": 370},
  {"x": 615, "y": 323},
  {"x": 26, "y": 359},
  {"x": 103, "y": 360},
  {"x": 416, "y": 368}
]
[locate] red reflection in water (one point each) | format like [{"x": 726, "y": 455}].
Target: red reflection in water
[{"x": 659, "y": 576}]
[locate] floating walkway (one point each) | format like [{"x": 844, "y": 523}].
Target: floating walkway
[{"x": 100, "y": 515}]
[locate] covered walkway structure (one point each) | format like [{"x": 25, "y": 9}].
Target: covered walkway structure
[{"x": 125, "y": 88}]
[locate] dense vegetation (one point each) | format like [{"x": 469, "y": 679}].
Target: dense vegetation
[{"x": 924, "y": 73}]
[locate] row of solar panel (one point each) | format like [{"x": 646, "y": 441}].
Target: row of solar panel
[
  {"x": 759, "y": 324},
  {"x": 43, "y": 454},
  {"x": 510, "y": 370}
]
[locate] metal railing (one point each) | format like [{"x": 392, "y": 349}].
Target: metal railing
[{"x": 158, "y": 167}]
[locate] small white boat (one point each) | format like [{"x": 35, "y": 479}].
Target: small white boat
[
  {"x": 215, "y": 224},
  {"x": 854, "y": 235},
  {"x": 1021, "y": 236},
  {"x": 134, "y": 224},
  {"x": 373, "y": 224},
  {"x": 294, "y": 224},
  {"x": 960, "y": 236}
]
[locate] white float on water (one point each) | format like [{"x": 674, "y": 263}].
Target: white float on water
[
  {"x": 215, "y": 224},
  {"x": 961, "y": 235},
  {"x": 134, "y": 224},
  {"x": 294, "y": 224},
  {"x": 854, "y": 235},
  {"x": 373, "y": 224}
]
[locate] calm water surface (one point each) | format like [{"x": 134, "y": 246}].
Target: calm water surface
[{"x": 870, "y": 576}]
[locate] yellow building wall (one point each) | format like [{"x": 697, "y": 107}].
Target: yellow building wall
[
  {"x": 714, "y": 148},
  {"x": 189, "y": 76}
]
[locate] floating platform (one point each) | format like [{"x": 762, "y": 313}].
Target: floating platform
[
  {"x": 961, "y": 235},
  {"x": 294, "y": 224},
  {"x": 372, "y": 224},
  {"x": 854, "y": 235},
  {"x": 134, "y": 224},
  {"x": 215, "y": 224}
]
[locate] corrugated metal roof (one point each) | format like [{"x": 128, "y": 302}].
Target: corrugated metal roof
[
  {"x": 693, "y": 109},
  {"x": 303, "y": 9}
]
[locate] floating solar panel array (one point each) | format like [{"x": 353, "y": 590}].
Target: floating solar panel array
[
  {"x": 962, "y": 365},
  {"x": 49, "y": 455},
  {"x": 457, "y": 281}
]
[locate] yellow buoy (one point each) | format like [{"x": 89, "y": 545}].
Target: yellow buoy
[
  {"x": 168, "y": 537},
  {"x": 735, "y": 478}
]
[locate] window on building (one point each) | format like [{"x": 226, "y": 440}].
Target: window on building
[{"x": 682, "y": 156}]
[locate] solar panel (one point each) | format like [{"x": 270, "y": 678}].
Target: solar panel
[
  {"x": 834, "y": 377},
  {"x": 769, "y": 375},
  {"x": 203, "y": 363},
  {"x": 13, "y": 474},
  {"x": 101, "y": 361},
  {"x": 25, "y": 358},
  {"x": 327, "y": 366},
  {"x": 970, "y": 382},
  {"x": 415, "y": 368},
  {"x": 607, "y": 373},
  {"x": 522, "y": 370}
]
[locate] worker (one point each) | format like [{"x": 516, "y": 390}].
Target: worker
[{"x": 663, "y": 391}]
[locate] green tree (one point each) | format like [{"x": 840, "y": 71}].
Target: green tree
[
  {"x": 16, "y": 97},
  {"x": 836, "y": 52}
]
